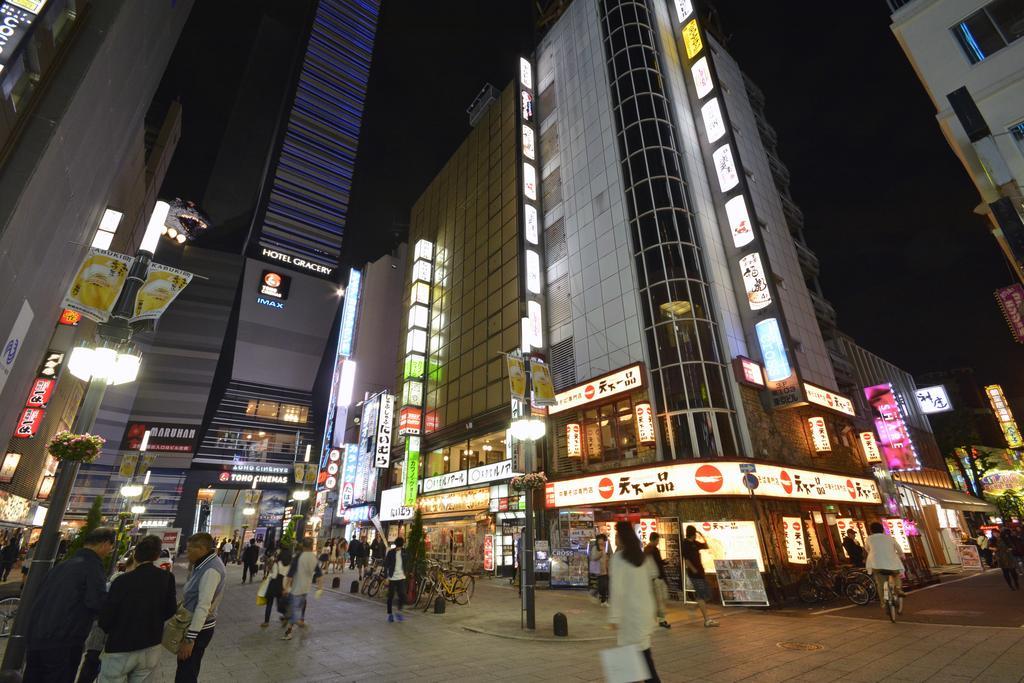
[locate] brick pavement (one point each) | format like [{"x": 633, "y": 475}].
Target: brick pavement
[{"x": 349, "y": 640}]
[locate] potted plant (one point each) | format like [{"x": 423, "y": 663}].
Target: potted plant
[
  {"x": 75, "y": 447},
  {"x": 533, "y": 480}
]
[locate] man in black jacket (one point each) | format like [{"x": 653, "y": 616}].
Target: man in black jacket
[
  {"x": 396, "y": 568},
  {"x": 69, "y": 600},
  {"x": 139, "y": 603},
  {"x": 250, "y": 559}
]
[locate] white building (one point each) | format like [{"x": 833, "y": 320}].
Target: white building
[
  {"x": 973, "y": 44},
  {"x": 638, "y": 277}
]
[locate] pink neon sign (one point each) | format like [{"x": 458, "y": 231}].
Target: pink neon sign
[{"x": 893, "y": 433}]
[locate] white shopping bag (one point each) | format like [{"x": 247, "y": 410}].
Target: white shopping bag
[{"x": 625, "y": 664}]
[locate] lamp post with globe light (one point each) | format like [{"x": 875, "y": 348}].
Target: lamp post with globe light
[
  {"x": 528, "y": 429},
  {"x": 109, "y": 359}
]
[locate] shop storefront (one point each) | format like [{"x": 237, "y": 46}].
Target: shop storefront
[
  {"x": 471, "y": 517},
  {"x": 939, "y": 519},
  {"x": 608, "y": 419},
  {"x": 794, "y": 514}
]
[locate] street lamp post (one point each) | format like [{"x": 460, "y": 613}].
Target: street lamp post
[
  {"x": 529, "y": 430},
  {"x": 110, "y": 362}
]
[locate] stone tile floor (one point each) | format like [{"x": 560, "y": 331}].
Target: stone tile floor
[{"x": 349, "y": 639}]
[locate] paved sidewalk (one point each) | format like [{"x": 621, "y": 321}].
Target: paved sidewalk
[{"x": 348, "y": 639}]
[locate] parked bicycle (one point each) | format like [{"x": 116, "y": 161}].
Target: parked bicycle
[
  {"x": 823, "y": 583},
  {"x": 8, "y": 610},
  {"x": 373, "y": 579},
  {"x": 453, "y": 585}
]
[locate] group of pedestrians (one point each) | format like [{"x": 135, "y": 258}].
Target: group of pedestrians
[
  {"x": 133, "y": 613},
  {"x": 1006, "y": 551}
]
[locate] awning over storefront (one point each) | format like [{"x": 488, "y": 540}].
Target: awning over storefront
[{"x": 951, "y": 499}]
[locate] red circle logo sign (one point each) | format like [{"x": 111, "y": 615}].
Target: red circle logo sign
[
  {"x": 706, "y": 526},
  {"x": 224, "y": 476},
  {"x": 787, "y": 481},
  {"x": 606, "y": 488},
  {"x": 708, "y": 478},
  {"x": 590, "y": 391},
  {"x": 851, "y": 489},
  {"x": 272, "y": 279},
  {"x": 796, "y": 526}
]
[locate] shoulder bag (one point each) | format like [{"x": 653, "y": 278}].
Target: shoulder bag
[{"x": 175, "y": 628}]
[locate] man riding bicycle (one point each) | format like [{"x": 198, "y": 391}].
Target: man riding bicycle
[{"x": 885, "y": 561}]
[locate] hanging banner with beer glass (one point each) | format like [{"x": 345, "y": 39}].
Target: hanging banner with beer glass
[
  {"x": 99, "y": 281},
  {"x": 543, "y": 388},
  {"x": 516, "y": 376},
  {"x": 162, "y": 286}
]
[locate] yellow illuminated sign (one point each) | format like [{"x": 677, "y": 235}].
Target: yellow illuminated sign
[{"x": 691, "y": 39}]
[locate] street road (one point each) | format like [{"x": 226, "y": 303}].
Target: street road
[
  {"x": 976, "y": 600},
  {"x": 348, "y": 639}
]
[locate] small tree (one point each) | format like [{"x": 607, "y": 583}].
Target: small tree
[
  {"x": 288, "y": 535},
  {"x": 92, "y": 521},
  {"x": 416, "y": 544}
]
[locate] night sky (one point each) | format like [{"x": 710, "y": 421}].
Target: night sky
[{"x": 888, "y": 207}]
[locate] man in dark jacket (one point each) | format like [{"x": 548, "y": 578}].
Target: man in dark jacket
[
  {"x": 139, "y": 603},
  {"x": 396, "y": 568},
  {"x": 8, "y": 556},
  {"x": 853, "y": 549},
  {"x": 355, "y": 550},
  {"x": 69, "y": 600},
  {"x": 250, "y": 559}
]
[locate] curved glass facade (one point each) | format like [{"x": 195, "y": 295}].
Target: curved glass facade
[{"x": 687, "y": 368}]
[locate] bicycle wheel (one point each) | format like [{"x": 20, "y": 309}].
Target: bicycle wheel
[
  {"x": 373, "y": 587},
  {"x": 857, "y": 593},
  {"x": 8, "y": 610},
  {"x": 464, "y": 587},
  {"x": 807, "y": 592},
  {"x": 890, "y": 604}
]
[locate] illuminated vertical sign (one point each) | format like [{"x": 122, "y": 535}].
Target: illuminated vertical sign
[
  {"x": 893, "y": 433},
  {"x": 410, "y": 419},
  {"x": 644, "y": 423},
  {"x": 348, "y": 476},
  {"x": 574, "y": 440},
  {"x": 382, "y": 447},
  {"x": 349, "y": 309},
  {"x": 796, "y": 547},
  {"x": 1004, "y": 416},
  {"x": 736, "y": 216},
  {"x": 870, "y": 447},
  {"x": 531, "y": 287},
  {"x": 819, "y": 435},
  {"x": 412, "y": 469}
]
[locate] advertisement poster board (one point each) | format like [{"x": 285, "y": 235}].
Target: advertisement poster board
[
  {"x": 169, "y": 540},
  {"x": 740, "y": 583},
  {"x": 728, "y": 541},
  {"x": 569, "y": 567},
  {"x": 670, "y": 546},
  {"x": 970, "y": 559},
  {"x": 796, "y": 546}
]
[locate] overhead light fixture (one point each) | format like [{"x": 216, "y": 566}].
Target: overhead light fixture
[
  {"x": 528, "y": 429},
  {"x": 138, "y": 509},
  {"x": 249, "y": 511},
  {"x": 300, "y": 494},
  {"x": 131, "y": 490},
  {"x": 676, "y": 309},
  {"x": 117, "y": 367}
]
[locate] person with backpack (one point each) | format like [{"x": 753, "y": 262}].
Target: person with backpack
[
  {"x": 302, "y": 575},
  {"x": 279, "y": 568},
  {"x": 396, "y": 568}
]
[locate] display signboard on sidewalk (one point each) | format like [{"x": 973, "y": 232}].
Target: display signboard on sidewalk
[
  {"x": 670, "y": 546},
  {"x": 970, "y": 558},
  {"x": 169, "y": 540},
  {"x": 740, "y": 583}
]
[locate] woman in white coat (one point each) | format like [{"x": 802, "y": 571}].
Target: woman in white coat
[{"x": 633, "y": 608}]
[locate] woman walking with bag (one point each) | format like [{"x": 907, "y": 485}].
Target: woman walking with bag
[
  {"x": 275, "y": 586},
  {"x": 632, "y": 605}
]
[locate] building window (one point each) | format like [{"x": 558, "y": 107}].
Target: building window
[
  {"x": 1017, "y": 133},
  {"x": 293, "y": 413},
  {"x": 990, "y": 29},
  {"x": 267, "y": 409},
  {"x": 107, "y": 229}
]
